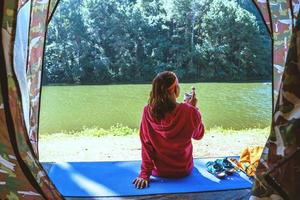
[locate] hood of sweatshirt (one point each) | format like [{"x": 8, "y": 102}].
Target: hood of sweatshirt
[{"x": 173, "y": 122}]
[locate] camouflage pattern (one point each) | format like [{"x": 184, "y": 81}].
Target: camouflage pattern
[
  {"x": 52, "y": 6},
  {"x": 40, "y": 15},
  {"x": 37, "y": 34},
  {"x": 11, "y": 174},
  {"x": 263, "y": 7},
  {"x": 279, "y": 18},
  {"x": 21, "y": 175},
  {"x": 282, "y": 25},
  {"x": 284, "y": 139}
]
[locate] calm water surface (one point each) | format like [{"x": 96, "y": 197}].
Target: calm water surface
[{"x": 227, "y": 105}]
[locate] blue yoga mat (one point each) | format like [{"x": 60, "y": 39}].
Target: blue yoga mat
[{"x": 99, "y": 179}]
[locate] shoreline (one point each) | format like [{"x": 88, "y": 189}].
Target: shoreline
[{"x": 70, "y": 148}]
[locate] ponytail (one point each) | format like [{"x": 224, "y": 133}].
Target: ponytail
[{"x": 160, "y": 102}]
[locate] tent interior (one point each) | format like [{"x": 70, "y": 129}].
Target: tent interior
[{"x": 23, "y": 176}]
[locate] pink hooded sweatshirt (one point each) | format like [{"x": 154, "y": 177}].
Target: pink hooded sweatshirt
[{"x": 167, "y": 145}]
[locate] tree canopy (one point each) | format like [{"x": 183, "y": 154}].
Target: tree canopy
[{"x": 110, "y": 41}]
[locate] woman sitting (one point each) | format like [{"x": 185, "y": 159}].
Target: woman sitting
[{"x": 166, "y": 130}]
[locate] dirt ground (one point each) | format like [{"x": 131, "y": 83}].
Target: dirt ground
[{"x": 60, "y": 147}]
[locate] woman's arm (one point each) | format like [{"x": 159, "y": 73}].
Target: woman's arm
[
  {"x": 147, "y": 155},
  {"x": 198, "y": 125}
]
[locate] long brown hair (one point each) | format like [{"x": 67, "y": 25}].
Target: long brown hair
[{"x": 160, "y": 101}]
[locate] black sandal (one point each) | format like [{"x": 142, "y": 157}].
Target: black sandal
[
  {"x": 228, "y": 167},
  {"x": 215, "y": 169}
]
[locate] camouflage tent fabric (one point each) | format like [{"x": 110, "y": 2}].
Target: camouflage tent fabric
[
  {"x": 279, "y": 169},
  {"x": 278, "y": 173},
  {"x": 263, "y": 7},
  {"x": 21, "y": 175},
  {"x": 279, "y": 16},
  {"x": 37, "y": 35},
  {"x": 281, "y": 26}
]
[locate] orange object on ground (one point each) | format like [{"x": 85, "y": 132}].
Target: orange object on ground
[{"x": 249, "y": 159}]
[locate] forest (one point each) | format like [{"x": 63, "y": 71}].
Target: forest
[{"x": 130, "y": 41}]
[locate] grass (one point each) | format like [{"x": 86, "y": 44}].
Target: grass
[
  {"x": 120, "y": 130},
  {"x": 116, "y": 130}
]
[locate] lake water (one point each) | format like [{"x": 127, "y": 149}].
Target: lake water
[{"x": 228, "y": 105}]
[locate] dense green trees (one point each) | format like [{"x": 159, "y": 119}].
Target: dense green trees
[{"x": 105, "y": 41}]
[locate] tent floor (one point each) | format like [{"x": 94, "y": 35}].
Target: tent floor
[{"x": 243, "y": 194}]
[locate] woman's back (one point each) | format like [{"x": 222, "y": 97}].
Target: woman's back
[{"x": 169, "y": 139}]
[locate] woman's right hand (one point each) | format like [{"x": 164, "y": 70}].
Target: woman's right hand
[
  {"x": 140, "y": 183},
  {"x": 193, "y": 101}
]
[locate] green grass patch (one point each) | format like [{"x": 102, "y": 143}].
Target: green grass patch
[
  {"x": 226, "y": 131},
  {"x": 115, "y": 130},
  {"x": 121, "y": 130}
]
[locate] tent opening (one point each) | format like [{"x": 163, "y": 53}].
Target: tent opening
[{"x": 102, "y": 55}]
